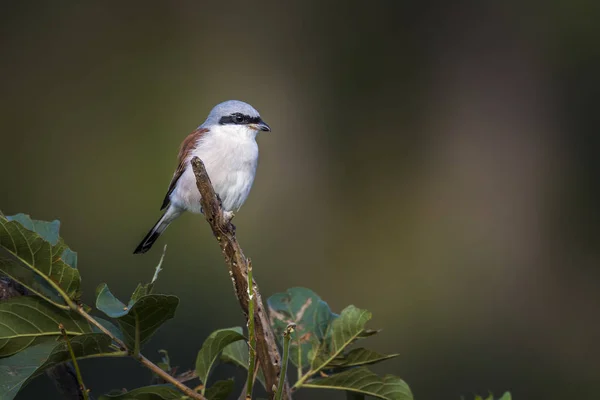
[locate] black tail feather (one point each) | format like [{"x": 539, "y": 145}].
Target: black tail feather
[
  {"x": 148, "y": 241},
  {"x": 158, "y": 228}
]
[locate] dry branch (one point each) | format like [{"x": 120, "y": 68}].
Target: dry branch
[{"x": 224, "y": 231}]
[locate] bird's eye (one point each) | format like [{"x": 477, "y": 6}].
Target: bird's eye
[{"x": 238, "y": 118}]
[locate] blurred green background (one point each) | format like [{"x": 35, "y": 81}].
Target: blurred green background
[{"x": 434, "y": 162}]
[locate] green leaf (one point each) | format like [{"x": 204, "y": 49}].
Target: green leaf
[
  {"x": 145, "y": 314},
  {"x": 506, "y": 396},
  {"x": 153, "y": 392},
  {"x": 17, "y": 369},
  {"x": 344, "y": 331},
  {"x": 21, "y": 368},
  {"x": 87, "y": 345},
  {"x": 108, "y": 303},
  {"x": 220, "y": 390},
  {"x": 110, "y": 326},
  {"x": 361, "y": 380},
  {"x": 311, "y": 315},
  {"x": 33, "y": 254},
  {"x": 236, "y": 353},
  {"x": 28, "y": 320},
  {"x": 358, "y": 357},
  {"x": 212, "y": 347},
  {"x": 47, "y": 230},
  {"x": 140, "y": 291}
]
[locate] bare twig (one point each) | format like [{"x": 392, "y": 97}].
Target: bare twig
[{"x": 224, "y": 231}]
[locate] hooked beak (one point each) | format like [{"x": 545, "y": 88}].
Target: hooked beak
[{"x": 262, "y": 126}]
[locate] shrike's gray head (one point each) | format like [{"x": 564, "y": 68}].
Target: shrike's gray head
[{"x": 235, "y": 112}]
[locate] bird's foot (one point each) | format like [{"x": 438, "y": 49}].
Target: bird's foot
[{"x": 228, "y": 215}]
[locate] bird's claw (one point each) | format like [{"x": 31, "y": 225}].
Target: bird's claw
[{"x": 228, "y": 215}]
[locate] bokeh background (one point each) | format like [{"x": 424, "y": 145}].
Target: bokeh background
[{"x": 434, "y": 162}]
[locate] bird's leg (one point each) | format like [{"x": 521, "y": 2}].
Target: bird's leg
[{"x": 228, "y": 215}]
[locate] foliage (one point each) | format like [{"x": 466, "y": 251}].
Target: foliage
[
  {"x": 141, "y": 317},
  {"x": 211, "y": 348},
  {"x": 321, "y": 344},
  {"x": 36, "y": 329}
]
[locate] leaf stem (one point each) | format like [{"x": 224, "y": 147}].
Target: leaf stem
[
  {"x": 82, "y": 387},
  {"x": 251, "y": 334},
  {"x": 287, "y": 336}
]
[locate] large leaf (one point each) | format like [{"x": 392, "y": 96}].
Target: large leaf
[
  {"x": 212, "y": 347},
  {"x": 219, "y": 390},
  {"x": 311, "y": 315},
  {"x": 33, "y": 254},
  {"x": 47, "y": 230},
  {"x": 236, "y": 353},
  {"x": 29, "y": 320},
  {"x": 18, "y": 370},
  {"x": 154, "y": 392},
  {"x": 349, "y": 327},
  {"x": 358, "y": 357},
  {"x": 361, "y": 380},
  {"x": 142, "y": 316}
]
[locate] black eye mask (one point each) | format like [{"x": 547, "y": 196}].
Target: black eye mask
[{"x": 239, "y": 119}]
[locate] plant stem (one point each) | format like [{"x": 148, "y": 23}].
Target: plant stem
[
  {"x": 287, "y": 336},
  {"x": 104, "y": 355},
  {"x": 143, "y": 360},
  {"x": 251, "y": 334},
  {"x": 82, "y": 387},
  {"x": 170, "y": 379},
  {"x": 98, "y": 325}
]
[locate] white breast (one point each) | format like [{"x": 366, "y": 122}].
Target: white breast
[{"x": 230, "y": 155}]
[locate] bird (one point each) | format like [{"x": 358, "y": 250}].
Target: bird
[{"x": 226, "y": 144}]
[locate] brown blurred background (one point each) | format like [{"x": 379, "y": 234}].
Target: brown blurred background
[{"x": 433, "y": 162}]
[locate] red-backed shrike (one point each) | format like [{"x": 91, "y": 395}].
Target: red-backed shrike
[{"x": 226, "y": 144}]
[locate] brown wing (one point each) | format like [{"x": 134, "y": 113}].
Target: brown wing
[{"x": 189, "y": 143}]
